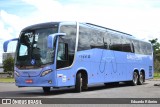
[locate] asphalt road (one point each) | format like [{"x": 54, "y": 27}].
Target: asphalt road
[{"x": 148, "y": 90}]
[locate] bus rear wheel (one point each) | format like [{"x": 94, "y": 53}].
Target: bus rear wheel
[
  {"x": 46, "y": 89},
  {"x": 141, "y": 78},
  {"x": 135, "y": 79},
  {"x": 78, "y": 86}
]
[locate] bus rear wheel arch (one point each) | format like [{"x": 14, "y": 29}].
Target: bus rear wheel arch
[{"x": 81, "y": 81}]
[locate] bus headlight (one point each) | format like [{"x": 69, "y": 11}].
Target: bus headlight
[
  {"x": 16, "y": 73},
  {"x": 46, "y": 72}
]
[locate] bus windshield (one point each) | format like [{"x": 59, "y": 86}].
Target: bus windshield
[{"x": 32, "y": 48}]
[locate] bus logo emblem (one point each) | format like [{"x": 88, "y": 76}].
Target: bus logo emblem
[{"x": 33, "y": 61}]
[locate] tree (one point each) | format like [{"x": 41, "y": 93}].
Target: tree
[
  {"x": 8, "y": 65},
  {"x": 156, "y": 44},
  {"x": 156, "y": 49}
]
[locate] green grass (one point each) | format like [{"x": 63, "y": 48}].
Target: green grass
[
  {"x": 5, "y": 80},
  {"x": 156, "y": 75}
]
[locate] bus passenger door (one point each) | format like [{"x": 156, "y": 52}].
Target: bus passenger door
[{"x": 62, "y": 55}]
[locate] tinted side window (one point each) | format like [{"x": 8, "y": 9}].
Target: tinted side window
[
  {"x": 136, "y": 46},
  {"x": 145, "y": 48},
  {"x": 115, "y": 42},
  {"x": 126, "y": 44},
  {"x": 70, "y": 39},
  {"x": 149, "y": 49},
  {"x": 84, "y": 38},
  {"x": 107, "y": 40},
  {"x": 96, "y": 39},
  {"x": 90, "y": 38}
]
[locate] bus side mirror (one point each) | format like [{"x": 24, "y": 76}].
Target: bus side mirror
[
  {"x": 5, "y": 44},
  {"x": 51, "y": 39}
]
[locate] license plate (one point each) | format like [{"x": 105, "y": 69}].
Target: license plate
[{"x": 29, "y": 81}]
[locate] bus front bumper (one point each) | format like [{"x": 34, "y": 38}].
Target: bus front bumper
[{"x": 35, "y": 82}]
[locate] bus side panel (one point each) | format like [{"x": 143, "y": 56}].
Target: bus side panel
[
  {"x": 125, "y": 67},
  {"x": 128, "y": 62},
  {"x": 65, "y": 77},
  {"x": 92, "y": 58}
]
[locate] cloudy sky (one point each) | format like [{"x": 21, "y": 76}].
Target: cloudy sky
[{"x": 140, "y": 18}]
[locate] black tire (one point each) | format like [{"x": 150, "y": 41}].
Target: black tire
[
  {"x": 84, "y": 82},
  {"x": 46, "y": 89},
  {"x": 141, "y": 78},
  {"x": 135, "y": 79},
  {"x": 78, "y": 85}
]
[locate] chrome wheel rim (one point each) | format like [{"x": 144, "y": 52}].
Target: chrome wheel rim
[
  {"x": 135, "y": 78},
  {"x": 141, "y": 78}
]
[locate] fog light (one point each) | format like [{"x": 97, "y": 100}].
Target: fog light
[{"x": 50, "y": 81}]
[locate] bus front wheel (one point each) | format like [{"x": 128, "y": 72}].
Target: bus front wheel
[
  {"x": 46, "y": 89},
  {"x": 78, "y": 85}
]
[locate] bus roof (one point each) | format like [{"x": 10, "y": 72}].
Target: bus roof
[
  {"x": 56, "y": 24},
  {"x": 41, "y": 25}
]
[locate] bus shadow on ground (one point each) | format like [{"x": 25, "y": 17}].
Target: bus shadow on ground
[
  {"x": 31, "y": 93},
  {"x": 110, "y": 86},
  {"x": 66, "y": 90}
]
